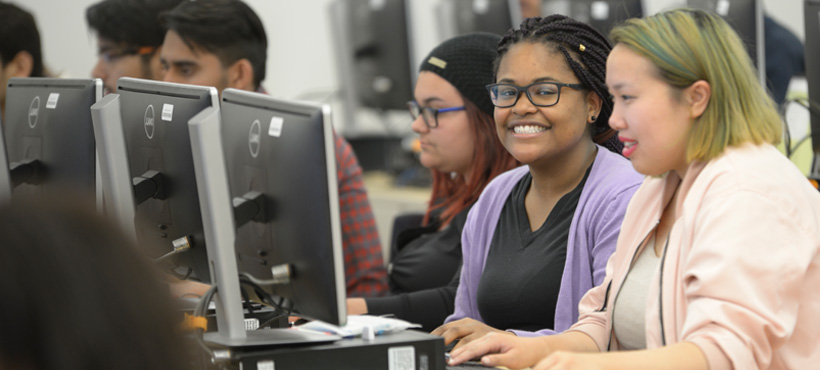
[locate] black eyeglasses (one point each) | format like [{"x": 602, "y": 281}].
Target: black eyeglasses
[
  {"x": 541, "y": 94},
  {"x": 430, "y": 115}
]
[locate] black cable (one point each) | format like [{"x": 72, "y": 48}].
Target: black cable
[
  {"x": 813, "y": 108},
  {"x": 199, "y": 311}
]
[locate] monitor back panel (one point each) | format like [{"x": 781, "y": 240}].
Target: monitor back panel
[
  {"x": 49, "y": 119},
  {"x": 745, "y": 16},
  {"x": 155, "y": 122},
  {"x": 492, "y": 16},
  {"x": 602, "y": 15},
  {"x": 279, "y": 149}
]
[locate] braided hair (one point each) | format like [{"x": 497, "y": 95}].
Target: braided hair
[{"x": 585, "y": 50}]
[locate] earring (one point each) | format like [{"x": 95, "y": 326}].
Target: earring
[{"x": 593, "y": 118}]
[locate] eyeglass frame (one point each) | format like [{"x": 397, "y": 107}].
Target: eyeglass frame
[
  {"x": 433, "y": 111},
  {"x": 525, "y": 89},
  {"x": 105, "y": 53}
]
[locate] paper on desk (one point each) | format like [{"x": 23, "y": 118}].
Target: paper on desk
[{"x": 356, "y": 324}]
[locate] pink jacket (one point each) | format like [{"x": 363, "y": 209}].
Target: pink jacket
[{"x": 740, "y": 277}]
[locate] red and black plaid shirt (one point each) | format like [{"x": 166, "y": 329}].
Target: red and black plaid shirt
[{"x": 364, "y": 267}]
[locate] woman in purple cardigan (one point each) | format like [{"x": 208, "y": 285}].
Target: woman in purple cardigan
[{"x": 539, "y": 236}]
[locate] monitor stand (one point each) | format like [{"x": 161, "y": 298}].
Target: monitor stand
[{"x": 271, "y": 337}]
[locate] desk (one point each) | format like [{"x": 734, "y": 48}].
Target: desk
[{"x": 408, "y": 350}]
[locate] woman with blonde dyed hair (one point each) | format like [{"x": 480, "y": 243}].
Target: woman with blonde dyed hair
[{"x": 717, "y": 260}]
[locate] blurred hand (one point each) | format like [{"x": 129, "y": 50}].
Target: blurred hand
[
  {"x": 502, "y": 350},
  {"x": 356, "y": 306},
  {"x": 465, "y": 331},
  {"x": 180, "y": 288}
]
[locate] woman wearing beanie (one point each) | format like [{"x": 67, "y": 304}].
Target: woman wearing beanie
[
  {"x": 539, "y": 236},
  {"x": 453, "y": 116}
]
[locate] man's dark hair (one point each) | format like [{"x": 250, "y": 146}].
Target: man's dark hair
[
  {"x": 131, "y": 22},
  {"x": 228, "y": 29},
  {"x": 19, "y": 33}
]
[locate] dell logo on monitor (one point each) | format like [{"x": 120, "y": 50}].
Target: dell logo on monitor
[
  {"x": 149, "y": 122},
  {"x": 255, "y": 138},
  {"x": 33, "y": 112}
]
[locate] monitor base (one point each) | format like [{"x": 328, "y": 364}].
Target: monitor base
[{"x": 271, "y": 337}]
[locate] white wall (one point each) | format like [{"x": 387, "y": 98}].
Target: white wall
[
  {"x": 300, "y": 52},
  {"x": 299, "y": 56}
]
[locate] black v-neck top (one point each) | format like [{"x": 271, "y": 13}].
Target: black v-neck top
[{"x": 522, "y": 276}]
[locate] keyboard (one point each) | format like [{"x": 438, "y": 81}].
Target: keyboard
[{"x": 469, "y": 365}]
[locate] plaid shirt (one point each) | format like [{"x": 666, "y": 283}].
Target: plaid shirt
[{"x": 364, "y": 268}]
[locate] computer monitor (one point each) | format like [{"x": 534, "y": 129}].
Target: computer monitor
[
  {"x": 281, "y": 189},
  {"x": 746, "y": 17},
  {"x": 5, "y": 181},
  {"x": 154, "y": 119},
  {"x": 373, "y": 54},
  {"x": 48, "y": 137},
  {"x": 603, "y": 15},
  {"x": 459, "y": 17},
  {"x": 811, "y": 11}
]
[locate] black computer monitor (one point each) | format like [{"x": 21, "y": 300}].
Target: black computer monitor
[
  {"x": 49, "y": 138},
  {"x": 603, "y": 15},
  {"x": 154, "y": 118},
  {"x": 373, "y": 53},
  {"x": 459, "y": 17},
  {"x": 276, "y": 221},
  {"x": 746, "y": 17},
  {"x": 281, "y": 167},
  {"x": 811, "y": 9}
]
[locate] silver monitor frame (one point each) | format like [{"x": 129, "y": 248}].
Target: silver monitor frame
[
  {"x": 118, "y": 191},
  {"x": 5, "y": 180}
]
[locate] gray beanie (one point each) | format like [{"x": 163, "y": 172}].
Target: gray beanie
[{"x": 467, "y": 63}]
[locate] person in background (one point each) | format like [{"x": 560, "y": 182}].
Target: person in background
[
  {"x": 539, "y": 236},
  {"x": 453, "y": 116},
  {"x": 20, "y": 52},
  {"x": 129, "y": 37},
  {"x": 719, "y": 254},
  {"x": 785, "y": 58},
  {"x": 234, "y": 55},
  {"x": 78, "y": 296}
]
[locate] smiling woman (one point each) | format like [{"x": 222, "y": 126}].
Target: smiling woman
[{"x": 539, "y": 236}]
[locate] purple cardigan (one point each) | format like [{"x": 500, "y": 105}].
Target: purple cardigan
[{"x": 592, "y": 236}]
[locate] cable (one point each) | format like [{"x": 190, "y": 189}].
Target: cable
[
  {"x": 169, "y": 254},
  {"x": 180, "y": 245},
  {"x": 266, "y": 298},
  {"x": 199, "y": 311},
  {"x": 813, "y": 108}
]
